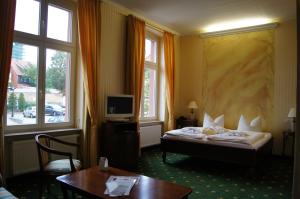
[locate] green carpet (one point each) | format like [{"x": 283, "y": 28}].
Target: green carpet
[
  {"x": 208, "y": 179},
  {"x": 214, "y": 180}
]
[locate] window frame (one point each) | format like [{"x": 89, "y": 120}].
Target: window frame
[
  {"x": 42, "y": 42},
  {"x": 155, "y": 66}
]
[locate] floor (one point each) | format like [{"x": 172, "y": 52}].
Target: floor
[{"x": 209, "y": 180}]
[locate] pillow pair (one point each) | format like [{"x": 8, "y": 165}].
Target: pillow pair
[
  {"x": 209, "y": 122},
  {"x": 254, "y": 125}
]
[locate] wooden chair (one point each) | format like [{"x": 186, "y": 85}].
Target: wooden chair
[{"x": 53, "y": 168}]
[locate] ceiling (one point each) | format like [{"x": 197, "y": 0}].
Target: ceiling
[{"x": 191, "y": 16}]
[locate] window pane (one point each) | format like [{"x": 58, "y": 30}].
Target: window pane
[
  {"x": 57, "y": 106},
  {"x": 150, "y": 93},
  {"x": 150, "y": 51},
  {"x": 27, "y": 16},
  {"x": 22, "y": 85},
  {"x": 59, "y": 24}
]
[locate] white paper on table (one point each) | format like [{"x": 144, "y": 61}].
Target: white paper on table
[{"x": 120, "y": 185}]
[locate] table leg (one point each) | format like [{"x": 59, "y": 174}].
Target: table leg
[{"x": 64, "y": 191}]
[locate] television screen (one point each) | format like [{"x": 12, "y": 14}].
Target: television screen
[{"x": 119, "y": 106}]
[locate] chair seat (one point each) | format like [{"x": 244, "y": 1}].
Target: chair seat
[
  {"x": 4, "y": 194},
  {"x": 62, "y": 166}
]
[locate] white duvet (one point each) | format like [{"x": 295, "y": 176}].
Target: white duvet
[
  {"x": 245, "y": 137},
  {"x": 192, "y": 132},
  {"x": 218, "y": 134}
]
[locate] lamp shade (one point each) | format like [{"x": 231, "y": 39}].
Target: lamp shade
[
  {"x": 192, "y": 105},
  {"x": 292, "y": 112}
]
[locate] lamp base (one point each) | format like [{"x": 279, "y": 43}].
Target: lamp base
[
  {"x": 192, "y": 115},
  {"x": 293, "y": 124}
]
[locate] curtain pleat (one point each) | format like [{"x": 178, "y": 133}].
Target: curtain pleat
[
  {"x": 7, "y": 21},
  {"x": 89, "y": 28},
  {"x": 169, "y": 56},
  {"x": 135, "y": 59}
]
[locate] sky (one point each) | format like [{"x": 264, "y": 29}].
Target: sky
[{"x": 27, "y": 20}]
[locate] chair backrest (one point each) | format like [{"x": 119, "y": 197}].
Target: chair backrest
[{"x": 43, "y": 141}]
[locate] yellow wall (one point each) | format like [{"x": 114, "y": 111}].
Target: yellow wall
[
  {"x": 113, "y": 41},
  {"x": 239, "y": 76},
  {"x": 285, "y": 78},
  {"x": 189, "y": 74},
  {"x": 192, "y": 71}
]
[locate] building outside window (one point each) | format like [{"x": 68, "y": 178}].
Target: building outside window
[
  {"x": 149, "y": 102},
  {"x": 40, "y": 89}
]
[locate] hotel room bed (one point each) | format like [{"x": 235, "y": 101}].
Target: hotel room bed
[{"x": 219, "y": 150}]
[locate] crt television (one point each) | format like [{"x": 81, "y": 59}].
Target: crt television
[{"x": 119, "y": 106}]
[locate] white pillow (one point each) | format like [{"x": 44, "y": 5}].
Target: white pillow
[
  {"x": 209, "y": 122},
  {"x": 255, "y": 124}
]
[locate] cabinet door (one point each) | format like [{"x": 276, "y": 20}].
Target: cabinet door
[{"x": 120, "y": 144}]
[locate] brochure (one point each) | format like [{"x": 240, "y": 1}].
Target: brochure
[{"x": 120, "y": 185}]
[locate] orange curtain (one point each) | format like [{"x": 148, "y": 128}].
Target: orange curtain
[
  {"x": 134, "y": 72},
  {"x": 89, "y": 25},
  {"x": 169, "y": 55},
  {"x": 7, "y": 21}
]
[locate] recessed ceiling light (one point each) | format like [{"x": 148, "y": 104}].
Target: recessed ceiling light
[{"x": 236, "y": 24}]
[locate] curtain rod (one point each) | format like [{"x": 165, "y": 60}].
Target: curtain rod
[{"x": 154, "y": 27}]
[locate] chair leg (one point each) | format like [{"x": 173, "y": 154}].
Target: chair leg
[
  {"x": 41, "y": 186},
  {"x": 65, "y": 192}
]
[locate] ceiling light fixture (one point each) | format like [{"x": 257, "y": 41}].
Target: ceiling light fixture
[{"x": 244, "y": 25}]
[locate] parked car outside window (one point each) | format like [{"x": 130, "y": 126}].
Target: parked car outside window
[
  {"x": 30, "y": 112},
  {"x": 54, "y": 110}
]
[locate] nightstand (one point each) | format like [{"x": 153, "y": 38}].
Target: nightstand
[
  {"x": 285, "y": 137},
  {"x": 184, "y": 122}
]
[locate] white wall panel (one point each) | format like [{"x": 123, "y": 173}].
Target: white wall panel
[
  {"x": 24, "y": 157},
  {"x": 150, "y": 135}
]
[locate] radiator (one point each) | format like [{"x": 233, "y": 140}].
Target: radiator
[
  {"x": 25, "y": 157},
  {"x": 150, "y": 135}
]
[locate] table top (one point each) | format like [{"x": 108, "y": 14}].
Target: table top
[{"x": 91, "y": 182}]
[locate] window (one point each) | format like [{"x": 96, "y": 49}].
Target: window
[
  {"x": 40, "y": 88},
  {"x": 149, "y": 103}
]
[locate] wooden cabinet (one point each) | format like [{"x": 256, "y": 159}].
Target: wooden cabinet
[
  {"x": 119, "y": 142},
  {"x": 184, "y": 122}
]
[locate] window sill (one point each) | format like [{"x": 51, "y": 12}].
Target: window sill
[
  {"x": 58, "y": 132},
  {"x": 150, "y": 123}
]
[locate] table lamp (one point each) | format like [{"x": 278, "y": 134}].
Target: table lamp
[
  {"x": 193, "y": 105},
  {"x": 292, "y": 114}
]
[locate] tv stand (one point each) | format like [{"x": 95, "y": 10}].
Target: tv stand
[{"x": 120, "y": 143}]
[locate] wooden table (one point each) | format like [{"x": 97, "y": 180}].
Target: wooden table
[{"x": 91, "y": 183}]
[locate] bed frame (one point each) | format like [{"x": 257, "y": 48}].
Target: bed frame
[{"x": 248, "y": 157}]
